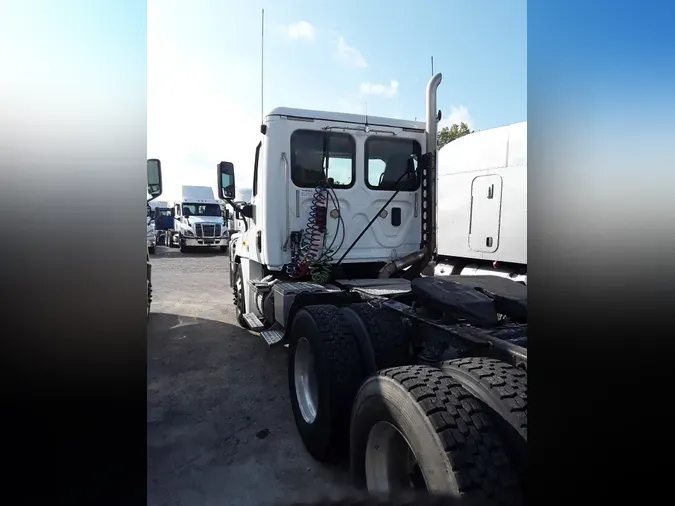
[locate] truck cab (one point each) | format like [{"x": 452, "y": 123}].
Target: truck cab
[
  {"x": 198, "y": 219},
  {"x": 349, "y": 165}
]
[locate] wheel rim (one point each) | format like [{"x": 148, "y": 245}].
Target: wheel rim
[
  {"x": 391, "y": 464},
  {"x": 306, "y": 385},
  {"x": 240, "y": 294}
]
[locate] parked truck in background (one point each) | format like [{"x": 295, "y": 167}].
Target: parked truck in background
[
  {"x": 198, "y": 219},
  {"x": 154, "y": 174},
  {"x": 422, "y": 378},
  {"x": 236, "y": 222},
  {"x": 151, "y": 232},
  {"x": 482, "y": 204}
]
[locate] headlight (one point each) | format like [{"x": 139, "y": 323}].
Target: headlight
[{"x": 188, "y": 233}]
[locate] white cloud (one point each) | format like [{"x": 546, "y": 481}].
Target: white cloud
[
  {"x": 456, "y": 115},
  {"x": 193, "y": 123},
  {"x": 349, "y": 55},
  {"x": 385, "y": 90},
  {"x": 300, "y": 30}
]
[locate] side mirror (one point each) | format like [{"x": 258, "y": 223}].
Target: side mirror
[
  {"x": 226, "y": 180},
  {"x": 154, "y": 178}
]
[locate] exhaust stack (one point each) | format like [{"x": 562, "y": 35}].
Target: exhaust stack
[
  {"x": 432, "y": 113},
  {"x": 429, "y": 192},
  {"x": 431, "y": 197}
]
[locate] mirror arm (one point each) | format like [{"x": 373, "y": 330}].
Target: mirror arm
[{"x": 241, "y": 209}]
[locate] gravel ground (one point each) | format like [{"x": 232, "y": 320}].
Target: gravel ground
[{"x": 220, "y": 426}]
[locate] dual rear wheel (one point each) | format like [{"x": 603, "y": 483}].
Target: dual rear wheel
[{"x": 407, "y": 427}]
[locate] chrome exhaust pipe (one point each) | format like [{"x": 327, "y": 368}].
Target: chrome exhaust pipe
[
  {"x": 431, "y": 130},
  {"x": 432, "y": 113}
]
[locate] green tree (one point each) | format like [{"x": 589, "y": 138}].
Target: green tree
[{"x": 449, "y": 134}]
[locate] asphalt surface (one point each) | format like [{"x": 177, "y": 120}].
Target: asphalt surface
[{"x": 220, "y": 426}]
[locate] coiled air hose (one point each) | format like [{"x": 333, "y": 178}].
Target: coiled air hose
[{"x": 312, "y": 238}]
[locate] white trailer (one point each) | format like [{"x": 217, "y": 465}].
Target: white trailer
[
  {"x": 397, "y": 367},
  {"x": 198, "y": 220},
  {"x": 482, "y": 204}
]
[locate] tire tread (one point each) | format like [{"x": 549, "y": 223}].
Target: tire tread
[{"x": 474, "y": 449}]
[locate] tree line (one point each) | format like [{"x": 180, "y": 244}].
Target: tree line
[{"x": 449, "y": 134}]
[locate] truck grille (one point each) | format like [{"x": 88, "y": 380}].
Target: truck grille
[{"x": 207, "y": 230}]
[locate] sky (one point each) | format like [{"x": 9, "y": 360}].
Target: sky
[{"x": 204, "y": 70}]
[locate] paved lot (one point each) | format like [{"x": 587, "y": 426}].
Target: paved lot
[{"x": 220, "y": 427}]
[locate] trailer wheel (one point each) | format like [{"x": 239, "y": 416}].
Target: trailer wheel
[
  {"x": 503, "y": 388},
  {"x": 415, "y": 427},
  {"x": 324, "y": 373},
  {"x": 238, "y": 292},
  {"x": 386, "y": 336}
]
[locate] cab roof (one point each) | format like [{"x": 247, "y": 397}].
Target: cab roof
[{"x": 342, "y": 117}]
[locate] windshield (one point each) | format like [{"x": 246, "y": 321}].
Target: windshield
[{"x": 201, "y": 210}]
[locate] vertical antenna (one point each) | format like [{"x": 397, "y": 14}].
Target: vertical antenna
[
  {"x": 262, "y": 67},
  {"x": 432, "y": 66}
]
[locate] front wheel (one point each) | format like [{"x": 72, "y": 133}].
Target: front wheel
[
  {"x": 414, "y": 427},
  {"x": 152, "y": 249},
  {"x": 238, "y": 292}
]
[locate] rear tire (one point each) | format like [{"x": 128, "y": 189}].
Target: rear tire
[
  {"x": 503, "y": 388},
  {"x": 421, "y": 412},
  {"x": 386, "y": 336},
  {"x": 324, "y": 373}
]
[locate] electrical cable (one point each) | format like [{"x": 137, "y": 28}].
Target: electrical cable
[{"x": 397, "y": 185}]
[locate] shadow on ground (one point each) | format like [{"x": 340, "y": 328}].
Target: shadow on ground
[
  {"x": 163, "y": 251},
  {"x": 219, "y": 423}
]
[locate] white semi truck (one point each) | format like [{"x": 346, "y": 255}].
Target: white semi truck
[
  {"x": 154, "y": 190},
  {"x": 198, "y": 220},
  {"x": 422, "y": 378}
]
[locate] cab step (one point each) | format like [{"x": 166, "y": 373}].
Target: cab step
[
  {"x": 253, "y": 322},
  {"x": 272, "y": 337}
]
